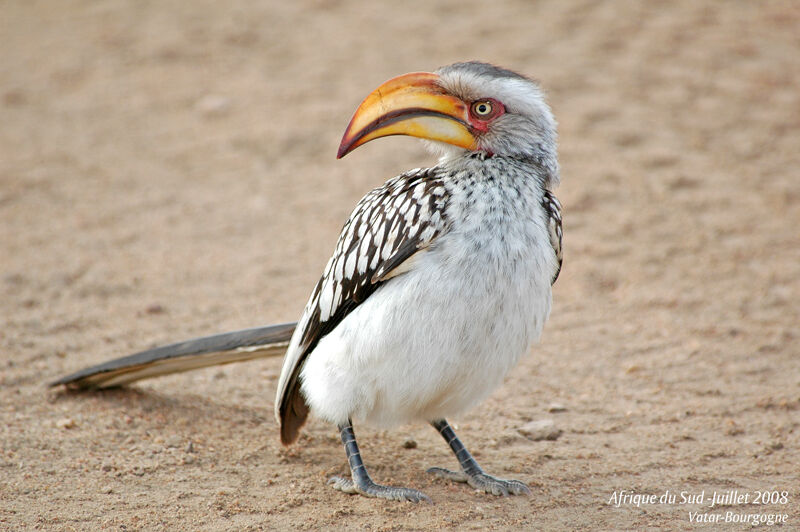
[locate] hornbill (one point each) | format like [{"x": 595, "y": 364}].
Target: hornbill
[{"x": 439, "y": 283}]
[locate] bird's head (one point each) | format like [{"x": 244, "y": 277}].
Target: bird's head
[{"x": 464, "y": 107}]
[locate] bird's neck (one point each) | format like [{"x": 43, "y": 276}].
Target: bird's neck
[{"x": 542, "y": 168}]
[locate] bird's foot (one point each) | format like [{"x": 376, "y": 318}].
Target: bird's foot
[
  {"x": 483, "y": 482},
  {"x": 370, "y": 489}
]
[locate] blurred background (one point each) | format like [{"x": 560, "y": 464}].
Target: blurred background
[{"x": 167, "y": 169}]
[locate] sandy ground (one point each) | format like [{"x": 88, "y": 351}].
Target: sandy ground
[{"x": 167, "y": 170}]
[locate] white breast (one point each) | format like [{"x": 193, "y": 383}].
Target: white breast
[{"x": 435, "y": 341}]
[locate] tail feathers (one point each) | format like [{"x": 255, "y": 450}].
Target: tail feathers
[
  {"x": 294, "y": 417},
  {"x": 236, "y": 346}
]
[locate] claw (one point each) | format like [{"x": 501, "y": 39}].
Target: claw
[
  {"x": 360, "y": 482},
  {"x": 447, "y": 474},
  {"x": 371, "y": 489},
  {"x": 483, "y": 482},
  {"x": 471, "y": 473},
  {"x": 343, "y": 484}
]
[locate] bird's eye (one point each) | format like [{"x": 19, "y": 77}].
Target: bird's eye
[
  {"x": 482, "y": 109},
  {"x": 483, "y": 112}
]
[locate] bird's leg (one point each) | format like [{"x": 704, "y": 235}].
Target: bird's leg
[
  {"x": 360, "y": 481},
  {"x": 471, "y": 472}
]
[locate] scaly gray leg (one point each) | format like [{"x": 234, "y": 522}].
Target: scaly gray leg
[
  {"x": 360, "y": 481},
  {"x": 471, "y": 472}
]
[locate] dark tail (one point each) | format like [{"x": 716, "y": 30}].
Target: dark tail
[{"x": 236, "y": 346}]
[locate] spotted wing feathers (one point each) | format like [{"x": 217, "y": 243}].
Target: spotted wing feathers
[
  {"x": 552, "y": 208},
  {"x": 389, "y": 226}
]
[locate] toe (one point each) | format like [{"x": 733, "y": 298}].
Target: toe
[
  {"x": 483, "y": 482},
  {"x": 370, "y": 489},
  {"x": 415, "y": 496},
  {"x": 515, "y": 487},
  {"x": 343, "y": 484},
  {"x": 489, "y": 485},
  {"x": 395, "y": 494},
  {"x": 498, "y": 486},
  {"x": 454, "y": 476}
]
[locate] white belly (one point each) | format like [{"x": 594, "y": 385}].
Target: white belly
[{"x": 435, "y": 341}]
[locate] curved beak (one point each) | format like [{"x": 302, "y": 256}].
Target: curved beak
[{"x": 412, "y": 104}]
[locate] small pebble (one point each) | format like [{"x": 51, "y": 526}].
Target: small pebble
[
  {"x": 155, "y": 308},
  {"x": 410, "y": 443},
  {"x": 541, "y": 430},
  {"x": 65, "y": 423},
  {"x": 556, "y": 408},
  {"x": 213, "y": 105}
]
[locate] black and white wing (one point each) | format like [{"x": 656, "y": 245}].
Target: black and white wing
[
  {"x": 388, "y": 227},
  {"x": 552, "y": 208}
]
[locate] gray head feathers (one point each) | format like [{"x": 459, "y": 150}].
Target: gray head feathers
[{"x": 527, "y": 130}]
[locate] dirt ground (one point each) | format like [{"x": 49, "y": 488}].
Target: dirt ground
[{"x": 167, "y": 170}]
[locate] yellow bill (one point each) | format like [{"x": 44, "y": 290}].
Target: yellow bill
[{"x": 411, "y": 104}]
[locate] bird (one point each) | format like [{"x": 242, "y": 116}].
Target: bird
[{"x": 440, "y": 281}]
